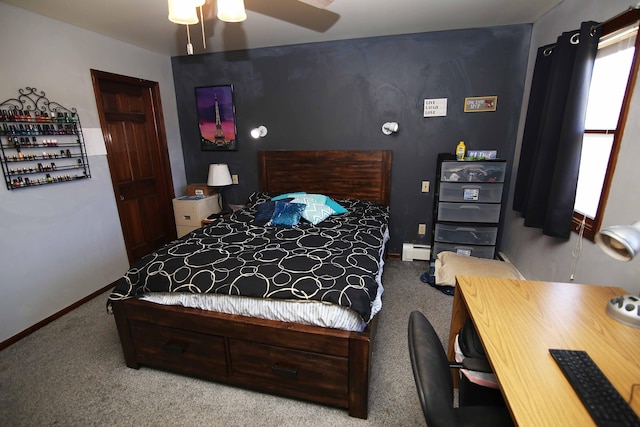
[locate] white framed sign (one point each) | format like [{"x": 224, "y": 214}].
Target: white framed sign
[{"x": 435, "y": 107}]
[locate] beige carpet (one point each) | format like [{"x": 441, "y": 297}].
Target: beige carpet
[{"x": 72, "y": 373}]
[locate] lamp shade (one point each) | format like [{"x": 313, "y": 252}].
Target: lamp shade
[
  {"x": 183, "y": 12},
  {"x": 219, "y": 175},
  {"x": 621, "y": 242},
  {"x": 231, "y": 10}
]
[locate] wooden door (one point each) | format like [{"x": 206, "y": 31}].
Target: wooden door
[{"x": 133, "y": 128}]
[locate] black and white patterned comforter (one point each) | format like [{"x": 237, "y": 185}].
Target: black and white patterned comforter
[{"x": 336, "y": 261}]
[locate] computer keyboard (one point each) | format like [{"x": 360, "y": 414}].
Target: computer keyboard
[{"x": 605, "y": 405}]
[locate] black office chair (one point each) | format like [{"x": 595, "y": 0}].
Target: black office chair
[{"x": 435, "y": 385}]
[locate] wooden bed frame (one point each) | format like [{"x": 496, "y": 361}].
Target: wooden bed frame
[{"x": 321, "y": 365}]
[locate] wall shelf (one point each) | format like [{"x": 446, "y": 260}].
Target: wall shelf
[{"x": 41, "y": 142}]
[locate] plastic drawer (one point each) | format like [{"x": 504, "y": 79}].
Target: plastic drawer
[
  {"x": 468, "y": 212},
  {"x": 471, "y": 250},
  {"x": 473, "y": 171},
  {"x": 466, "y": 234},
  {"x": 470, "y": 192}
]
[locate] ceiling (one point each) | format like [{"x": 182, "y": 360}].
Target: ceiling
[{"x": 144, "y": 23}]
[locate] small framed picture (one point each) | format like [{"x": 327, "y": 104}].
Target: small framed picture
[
  {"x": 479, "y": 104},
  {"x": 216, "y": 118}
]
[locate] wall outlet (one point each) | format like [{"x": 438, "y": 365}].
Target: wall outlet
[
  {"x": 422, "y": 228},
  {"x": 425, "y": 186},
  {"x": 234, "y": 179}
]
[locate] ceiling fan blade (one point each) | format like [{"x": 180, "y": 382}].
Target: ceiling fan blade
[
  {"x": 295, "y": 12},
  {"x": 320, "y": 4}
]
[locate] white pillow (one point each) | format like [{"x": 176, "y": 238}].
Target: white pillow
[{"x": 448, "y": 264}]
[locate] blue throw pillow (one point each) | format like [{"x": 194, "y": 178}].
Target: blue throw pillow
[
  {"x": 288, "y": 195},
  {"x": 287, "y": 214},
  {"x": 264, "y": 211}
]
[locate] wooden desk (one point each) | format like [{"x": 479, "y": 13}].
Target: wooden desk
[{"x": 519, "y": 321}]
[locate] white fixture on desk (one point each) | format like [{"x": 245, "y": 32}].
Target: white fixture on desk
[{"x": 622, "y": 242}]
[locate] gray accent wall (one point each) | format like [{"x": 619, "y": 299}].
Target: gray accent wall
[{"x": 337, "y": 95}]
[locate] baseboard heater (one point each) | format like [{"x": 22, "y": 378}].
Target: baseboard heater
[{"x": 415, "y": 252}]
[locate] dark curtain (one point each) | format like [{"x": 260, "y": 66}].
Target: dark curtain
[{"x": 547, "y": 177}]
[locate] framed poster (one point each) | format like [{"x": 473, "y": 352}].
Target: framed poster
[
  {"x": 480, "y": 104},
  {"x": 216, "y": 118}
]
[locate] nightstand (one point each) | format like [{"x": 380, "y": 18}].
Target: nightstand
[{"x": 189, "y": 212}]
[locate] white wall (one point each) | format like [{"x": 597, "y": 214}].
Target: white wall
[
  {"x": 545, "y": 258},
  {"x": 62, "y": 242}
]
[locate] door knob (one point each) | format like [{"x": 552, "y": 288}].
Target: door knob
[{"x": 121, "y": 198}]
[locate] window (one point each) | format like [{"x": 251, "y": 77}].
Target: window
[{"x": 614, "y": 76}]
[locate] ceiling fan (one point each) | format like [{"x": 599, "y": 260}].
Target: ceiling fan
[{"x": 309, "y": 14}]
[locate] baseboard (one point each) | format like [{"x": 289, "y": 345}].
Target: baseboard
[{"x": 14, "y": 339}]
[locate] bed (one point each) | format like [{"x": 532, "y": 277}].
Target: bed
[{"x": 319, "y": 364}]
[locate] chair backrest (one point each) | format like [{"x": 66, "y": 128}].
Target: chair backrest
[{"x": 431, "y": 372}]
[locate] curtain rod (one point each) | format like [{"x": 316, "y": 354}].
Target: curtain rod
[
  {"x": 632, "y": 14},
  {"x": 627, "y": 17}
]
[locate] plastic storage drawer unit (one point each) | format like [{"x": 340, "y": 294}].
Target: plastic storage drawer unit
[
  {"x": 471, "y": 250},
  {"x": 466, "y": 234},
  {"x": 470, "y": 192},
  {"x": 467, "y": 212},
  {"x": 473, "y": 171}
]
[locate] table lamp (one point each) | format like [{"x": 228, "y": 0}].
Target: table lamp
[
  {"x": 219, "y": 176},
  {"x": 622, "y": 242}
]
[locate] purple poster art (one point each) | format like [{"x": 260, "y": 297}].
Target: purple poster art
[{"x": 216, "y": 118}]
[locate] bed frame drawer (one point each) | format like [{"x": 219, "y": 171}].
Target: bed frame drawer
[
  {"x": 175, "y": 348},
  {"x": 295, "y": 370}
]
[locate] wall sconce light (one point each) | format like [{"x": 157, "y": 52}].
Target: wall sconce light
[
  {"x": 390, "y": 127},
  {"x": 259, "y": 132}
]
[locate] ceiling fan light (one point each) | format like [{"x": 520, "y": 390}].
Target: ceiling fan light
[
  {"x": 320, "y": 4},
  {"x": 183, "y": 12},
  {"x": 231, "y": 10}
]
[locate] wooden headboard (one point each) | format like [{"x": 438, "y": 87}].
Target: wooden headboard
[{"x": 340, "y": 174}]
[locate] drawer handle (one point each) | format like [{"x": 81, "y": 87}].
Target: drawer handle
[
  {"x": 186, "y": 217},
  {"x": 281, "y": 370},
  {"x": 175, "y": 346},
  {"x": 470, "y": 207}
]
